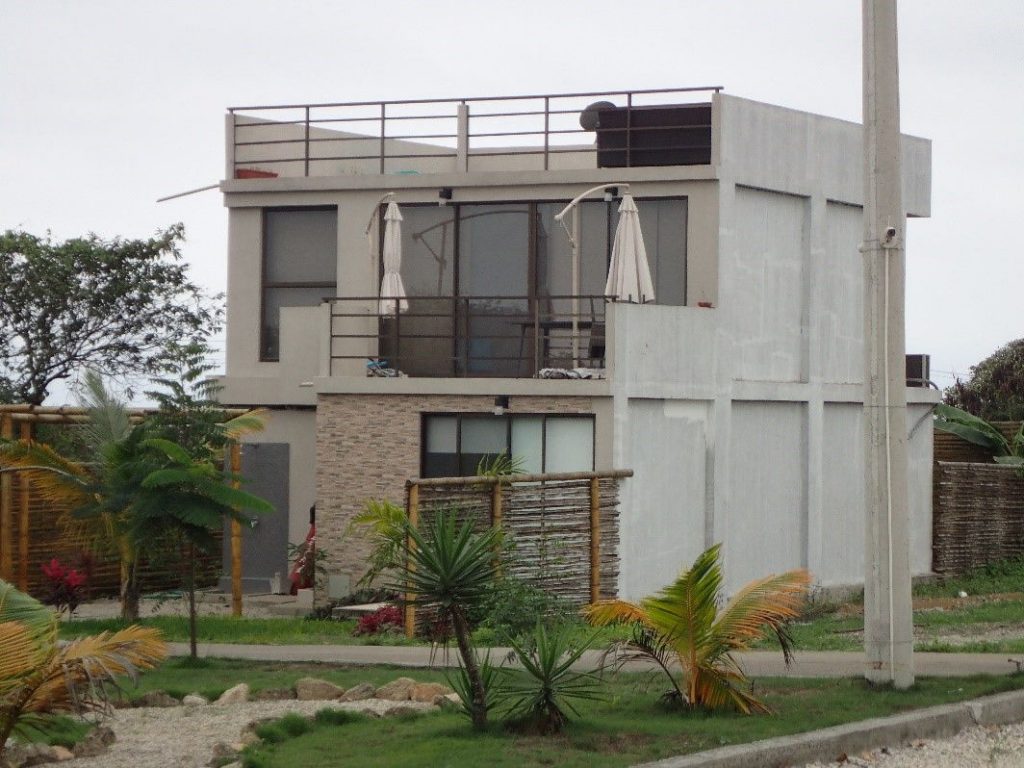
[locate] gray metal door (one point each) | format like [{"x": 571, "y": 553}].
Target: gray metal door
[{"x": 265, "y": 539}]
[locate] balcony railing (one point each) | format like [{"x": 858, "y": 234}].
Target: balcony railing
[
  {"x": 469, "y": 336},
  {"x": 639, "y": 127}
]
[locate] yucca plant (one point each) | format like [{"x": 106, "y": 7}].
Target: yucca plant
[
  {"x": 538, "y": 701},
  {"x": 683, "y": 625},
  {"x": 450, "y": 568},
  {"x": 40, "y": 677}
]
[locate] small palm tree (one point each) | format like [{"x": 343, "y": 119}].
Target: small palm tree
[
  {"x": 683, "y": 624},
  {"x": 40, "y": 677},
  {"x": 980, "y": 432},
  {"x": 451, "y": 568}
]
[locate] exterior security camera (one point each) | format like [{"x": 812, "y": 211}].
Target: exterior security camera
[{"x": 890, "y": 233}]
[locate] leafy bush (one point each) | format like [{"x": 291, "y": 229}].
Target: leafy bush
[
  {"x": 384, "y": 619},
  {"x": 510, "y": 609},
  {"x": 64, "y": 588},
  {"x": 995, "y": 390}
]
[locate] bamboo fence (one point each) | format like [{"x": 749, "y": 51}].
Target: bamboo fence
[
  {"x": 563, "y": 528},
  {"x": 978, "y": 515},
  {"x": 31, "y": 533}
]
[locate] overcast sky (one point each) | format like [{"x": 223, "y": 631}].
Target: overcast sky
[{"x": 106, "y": 106}]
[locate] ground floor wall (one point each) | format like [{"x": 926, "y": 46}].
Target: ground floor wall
[
  {"x": 369, "y": 445},
  {"x": 779, "y": 483}
]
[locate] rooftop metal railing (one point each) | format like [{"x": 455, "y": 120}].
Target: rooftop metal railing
[
  {"x": 469, "y": 336},
  {"x": 387, "y": 134}
]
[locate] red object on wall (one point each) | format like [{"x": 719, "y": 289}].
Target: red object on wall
[{"x": 254, "y": 173}]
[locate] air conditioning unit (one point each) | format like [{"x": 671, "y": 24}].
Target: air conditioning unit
[{"x": 919, "y": 370}]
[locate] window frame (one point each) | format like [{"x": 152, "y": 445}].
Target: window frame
[
  {"x": 507, "y": 418},
  {"x": 266, "y": 285},
  {"x": 532, "y": 276}
]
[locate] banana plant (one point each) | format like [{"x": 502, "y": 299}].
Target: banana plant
[
  {"x": 979, "y": 432},
  {"x": 683, "y": 626}
]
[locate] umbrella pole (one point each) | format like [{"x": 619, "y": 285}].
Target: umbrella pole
[{"x": 575, "y": 287}]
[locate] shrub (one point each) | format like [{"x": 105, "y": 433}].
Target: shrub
[
  {"x": 384, "y": 619},
  {"x": 64, "y": 586}
]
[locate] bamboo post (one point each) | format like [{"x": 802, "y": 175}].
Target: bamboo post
[
  {"x": 595, "y": 540},
  {"x": 496, "y": 520},
  {"x": 26, "y": 435},
  {"x": 6, "y": 503},
  {"x": 414, "y": 518},
  {"x": 236, "y": 537}
]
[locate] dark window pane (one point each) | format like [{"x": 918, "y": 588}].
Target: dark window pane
[
  {"x": 494, "y": 250},
  {"x": 301, "y": 246},
  {"x": 428, "y": 250}
]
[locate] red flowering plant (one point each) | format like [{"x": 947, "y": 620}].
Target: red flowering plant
[
  {"x": 65, "y": 586},
  {"x": 386, "y": 619}
]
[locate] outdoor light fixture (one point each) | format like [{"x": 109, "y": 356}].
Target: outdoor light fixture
[
  {"x": 501, "y": 405},
  {"x": 610, "y": 194},
  {"x": 444, "y": 194}
]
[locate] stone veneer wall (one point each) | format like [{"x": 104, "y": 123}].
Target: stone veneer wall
[{"x": 367, "y": 446}]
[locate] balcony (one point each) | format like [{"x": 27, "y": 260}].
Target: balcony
[
  {"x": 470, "y": 336},
  {"x": 615, "y": 129}
]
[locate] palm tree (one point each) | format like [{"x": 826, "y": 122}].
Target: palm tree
[
  {"x": 89, "y": 487},
  {"x": 40, "y": 677},
  {"x": 683, "y": 624},
  {"x": 451, "y": 568}
]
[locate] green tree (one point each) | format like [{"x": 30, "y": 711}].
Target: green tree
[
  {"x": 184, "y": 498},
  {"x": 995, "y": 389},
  {"x": 115, "y": 305},
  {"x": 683, "y": 625}
]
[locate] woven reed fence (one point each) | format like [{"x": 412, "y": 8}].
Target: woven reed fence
[
  {"x": 31, "y": 533},
  {"x": 563, "y": 528},
  {"x": 978, "y": 515}
]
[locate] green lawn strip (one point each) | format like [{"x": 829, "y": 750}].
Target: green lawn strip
[
  {"x": 627, "y": 728},
  {"x": 998, "y": 578},
  {"x": 225, "y": 629},
  {"x": 211, "y": 677}
]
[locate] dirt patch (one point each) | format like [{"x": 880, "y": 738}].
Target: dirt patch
[{"x": 939, "y": 603}]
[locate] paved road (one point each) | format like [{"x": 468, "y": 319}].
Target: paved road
[{"x": 757, "y": 663}]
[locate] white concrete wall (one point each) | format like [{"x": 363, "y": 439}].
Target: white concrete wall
[{"x": 762, "y": 286}]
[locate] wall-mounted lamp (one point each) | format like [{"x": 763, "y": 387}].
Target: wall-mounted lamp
[
  {"x": 501, "y": 405},
  {"x": 444, "y": 194},
  {"x": 610, "y": 194}
]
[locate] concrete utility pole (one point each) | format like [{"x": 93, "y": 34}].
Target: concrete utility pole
[{"x": 888, "y": 618}]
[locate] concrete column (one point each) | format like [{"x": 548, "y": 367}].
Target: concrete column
[
  {"x": 462, "y": 142},
  {"x": 888, "y": 620},
  {"x": 229, "y": 145}
]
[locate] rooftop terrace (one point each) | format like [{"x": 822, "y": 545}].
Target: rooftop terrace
[{"x": 601, "y": 129}]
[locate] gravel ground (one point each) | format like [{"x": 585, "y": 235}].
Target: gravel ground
[
  {"x": 979, "y": 747},
  {"x": 184, "y": 737}
]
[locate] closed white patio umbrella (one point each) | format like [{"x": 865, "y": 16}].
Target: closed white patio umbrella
[
  {"x": 629, "y": 275},
  {"x": 392, "y": 290}
]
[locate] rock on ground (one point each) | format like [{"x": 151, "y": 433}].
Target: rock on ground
[
  {"x": 397, "y": 690},
  {"x": 184, "y": 737},
  {"x": 314, "y": 689}
]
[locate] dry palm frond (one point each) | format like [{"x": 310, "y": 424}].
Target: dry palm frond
[
  {"x": 57, "y": 479},
  {"x": 78, "y": 675}
]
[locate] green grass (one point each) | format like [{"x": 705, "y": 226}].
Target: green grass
[
  {"x": 211, "y": 677},
  {"x": 61, "y": 731},
  {"x": 225, "y": 629},
  {"x": 629, "y": 727},
  {"x": 998, "y": 578}
]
